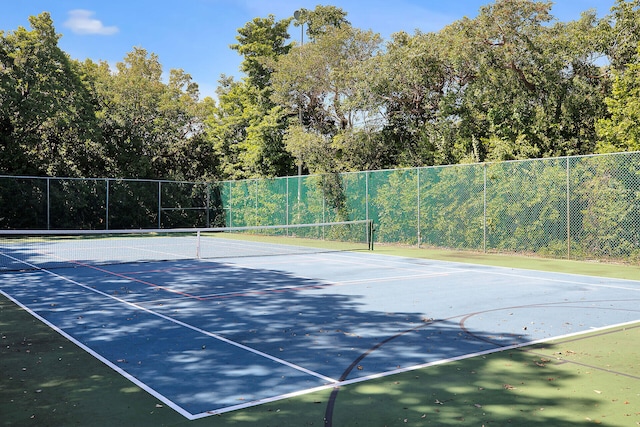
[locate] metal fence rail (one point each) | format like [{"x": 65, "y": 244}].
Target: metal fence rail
[{"x": 583, "y": 207}]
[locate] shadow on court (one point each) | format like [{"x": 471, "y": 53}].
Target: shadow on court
[
  {"x": 47, "y": 380},
  {"x": 205, "y": 336}
]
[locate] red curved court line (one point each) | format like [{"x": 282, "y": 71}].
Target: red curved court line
[{"x": 333, "y": 397}]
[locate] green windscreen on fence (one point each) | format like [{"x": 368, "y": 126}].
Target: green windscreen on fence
[{"x": 582, "y": 207}]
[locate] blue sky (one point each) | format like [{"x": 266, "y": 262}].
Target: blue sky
[{"x": 195, "y": 34}]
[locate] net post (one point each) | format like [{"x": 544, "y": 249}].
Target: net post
[
  {"x": 370, "y": 231},
  {"x": 198, "y": 244}
]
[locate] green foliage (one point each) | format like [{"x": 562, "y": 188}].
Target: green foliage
[
  {"x": 580, "y": 207},
  {"x": 61, "y": 117},
  {"x": 512, "y": 83},
  {"x": 621, "y": 130},
  {"x": 524, "y": 86},
  {"x": 246, "y": 132},
  {"x": 261, "y": 42},
  {"x": 253, "y": 202},
  {"x": 522, "y": 217},
  {"x": 247, "y": 128},
  {"x": 451, "y": 206},
  {"x": 321, "y": 84},
  {"x": 144, "y": 121},
  {"x": 46, "y": 121},
  {"x": 396, "y": 206},
  {"x": 321, "y": 20},
  {"x": 619, "y": 34},
  {"x": 606, "y": 198}
]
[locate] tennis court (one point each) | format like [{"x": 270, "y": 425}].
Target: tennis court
[{"x": 261, "y": 321}]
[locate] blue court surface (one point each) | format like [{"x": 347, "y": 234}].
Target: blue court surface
[{"x": 210, "y": 336}]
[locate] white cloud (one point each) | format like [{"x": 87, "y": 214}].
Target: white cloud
[{"x": 82, "y": 22}]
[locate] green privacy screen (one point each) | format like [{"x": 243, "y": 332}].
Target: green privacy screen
[{"x": 583, "y": 207}]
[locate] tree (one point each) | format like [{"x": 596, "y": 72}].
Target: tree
[
  {"x": 261, "y": 41},
  {"x": 621, "y": 130},
  {"x": 321, "y": 20},
  {"x": 189, "y": 156},
  {"x": 520, "y": 88},
  {"x": 150, "y": 129},
  {"x": 47, "y": 124},
  {"x": 246, "y": 134},
  {"x": 321, "y": 86},
  {"x": 408, "y": 83},
  {"x": 246, "y": 128},
  {"x": 619, "y": 34},
  {"x": 620, "y": 40}
]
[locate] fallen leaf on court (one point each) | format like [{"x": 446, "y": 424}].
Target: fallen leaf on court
[
  {"x": 598, "y": 391},
  {"x": 508, "y": 387},
  {"x": 158, "y": 405},
  {"x": 477, "y": 405},
  {"x": 438, "y": 402},
  {"x": 360, "y": 368}
]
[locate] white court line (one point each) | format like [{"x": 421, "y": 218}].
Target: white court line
[
  {"x": 164, "y": 317},
  {"x": 343, "y": 258},
  {"x": 334, "y": 383},
  {"x": 458, "y": 267},
  {"x": 410, "y": 368},
  {"x": 107, "y": 362}
]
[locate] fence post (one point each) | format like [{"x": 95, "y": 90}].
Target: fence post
[
  {"x": 286, "y": 212},
  {"x": 484, "y": 208},
  {"x": 256, "y": 203},
  {"x": 208, "y": 204},
  {"x": 418, "y": 196},
  {"x": 159, "y": 204},
  {"x": 230, "y": 204},
  {"x": 48, "y": 205},
  {"x": 568, "y": 212},
  {"x": 366, "y": 195},
  {"x": 106, "y": 219}
]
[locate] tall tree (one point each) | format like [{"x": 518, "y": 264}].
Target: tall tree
[
  {"x": 407, "y": 83},
  {"x": 130, "y": 113},
  {"x": 619, "y": 34},
  {"x": 321, "y": 86},
  {"x": 321, "y": 20},
  {"x": 150, "y": 129},
  {"x": 261, "y": 41},
  {"x": 47, "y": 124},
  {"x": 246, "y": 127},
  {"x": 621, "y": 130},
  {"x": 527, "y": 85}
]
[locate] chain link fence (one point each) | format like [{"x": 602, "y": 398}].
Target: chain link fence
[
  {"x": 106, "y": 204},
  {"x": 583, "y": 207}
]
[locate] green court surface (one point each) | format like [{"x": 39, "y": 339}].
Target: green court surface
[{"x": 592, "y": 378}]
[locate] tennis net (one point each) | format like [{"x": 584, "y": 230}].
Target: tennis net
[{"x": 49, "y": 249}]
